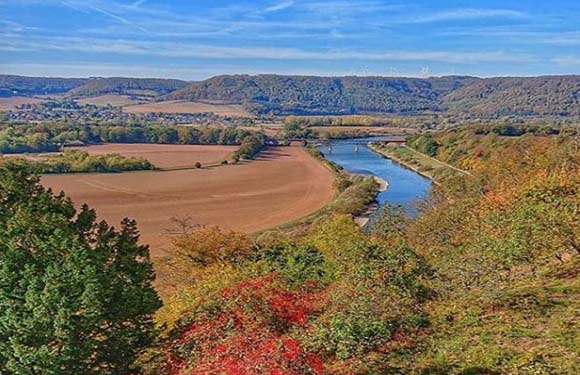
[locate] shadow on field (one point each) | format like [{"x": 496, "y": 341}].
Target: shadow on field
[{"x": 271, "y": 155}]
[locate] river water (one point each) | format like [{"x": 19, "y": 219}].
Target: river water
[{"x": 406, "y": 187}]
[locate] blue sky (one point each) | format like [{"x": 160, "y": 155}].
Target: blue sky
[{"x": 197, "y": 39}]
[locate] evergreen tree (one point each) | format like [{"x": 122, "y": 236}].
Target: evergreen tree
[{"x": 75, "y": 294}]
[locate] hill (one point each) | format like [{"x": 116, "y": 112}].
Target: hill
[
  {"x": 131, "y": 86},
  {"x": 489, "y": 97},
  {"x": 11, "y": 85},
  {"x": 311, "y": 95},
  {"x": 548, "y": 95},
  {"x": 324, "y": 95}
]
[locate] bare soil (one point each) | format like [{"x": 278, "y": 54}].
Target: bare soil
[
  {"x": 284, "y": 184},
  {"x": 166, "y": 156}
]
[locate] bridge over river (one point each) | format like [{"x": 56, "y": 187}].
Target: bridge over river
[{"x": 351, "y": 141}]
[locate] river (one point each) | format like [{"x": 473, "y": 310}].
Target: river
[{"x": 406, "y": 187}]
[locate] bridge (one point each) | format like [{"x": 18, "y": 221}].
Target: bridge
[
  {"x": 351, "y": 141},
  {"x": 388, "y": 139}
]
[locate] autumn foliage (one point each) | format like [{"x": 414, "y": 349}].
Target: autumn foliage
[
  {"x": 250, "y": 333},
  {"x": 484, "y": 281}
]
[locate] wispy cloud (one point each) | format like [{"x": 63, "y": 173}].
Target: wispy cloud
[
  {"x": 111, "y": 15},
  {"x": 280, "y": 6},
  {"x": 523, "y": 36},
  {"x": 108, "y": 8},
  {"x": 205, "y": 51},
  {"x": 89, "y": 69},
  {"x": 467, "y": 14},
  {"x": 15, "y": 27},
  {"x": 73, "y": 6},
  {"x": 567, "y": 60}
]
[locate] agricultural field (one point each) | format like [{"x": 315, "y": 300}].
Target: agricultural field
[
  {"x": 7, "y": 104},
  {"x": 282, "y": 185},
  {"x": 177, "y": 106},
  {"x": 109, "y": 99},
  {"x": 166, "y": 156},
  {"x": 161, "y": 156}
]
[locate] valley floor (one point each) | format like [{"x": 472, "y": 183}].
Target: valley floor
[{"x": 282, "y": 185}]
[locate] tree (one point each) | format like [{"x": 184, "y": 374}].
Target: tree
[{"x": 75, "y": 294}]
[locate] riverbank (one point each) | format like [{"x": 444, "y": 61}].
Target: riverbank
[
  {"x": 416, "y": 161},
  {"x": 354, "y": 195},
  {"x": 398, "y": 185}
]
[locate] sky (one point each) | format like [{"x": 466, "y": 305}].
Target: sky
[{"x": 196, "y": 39}]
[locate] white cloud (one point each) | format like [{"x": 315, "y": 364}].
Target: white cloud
[{"x": 467, "y": 14}]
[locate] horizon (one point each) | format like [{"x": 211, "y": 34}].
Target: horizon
[
  {"x": 288, "y": 75},
  {"x": 175, "y": 39}
]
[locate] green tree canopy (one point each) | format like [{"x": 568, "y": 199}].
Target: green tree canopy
[{"x": 75, "y": 294}]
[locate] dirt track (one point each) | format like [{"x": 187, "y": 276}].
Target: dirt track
[{"x": 283, "y": 185}]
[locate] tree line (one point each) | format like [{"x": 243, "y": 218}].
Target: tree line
[{"x": 31, "y": 138}]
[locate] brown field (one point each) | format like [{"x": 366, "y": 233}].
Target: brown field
[
  {"x": 189, "y": 107},
  {"x": 166, "y": 156},
  {"x": 284, "y": 184},
  {"x": 7, "y": 104},
  {"x": 103, "y": 100},
  {"x": 148, "y": 93}
]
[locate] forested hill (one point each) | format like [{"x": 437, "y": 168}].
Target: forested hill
[
  {"x": 11, "y": 85},
  {"x": 548, "y": 95},
  {"x": 309, "y": 95},
  {"x": 540, "y": 96},
  {"x": 325, "y": 95},
  {"x": 81, "y": 87},
  {"x": 120, "y": 85}
]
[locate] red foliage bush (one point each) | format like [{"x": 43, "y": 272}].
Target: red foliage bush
[{"x": 249, "y": 335}]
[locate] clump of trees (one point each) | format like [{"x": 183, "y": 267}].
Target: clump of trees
[
  {"x": 75, "y": 161},
  {"x": 75, "y": 294},
  {"x": 250, "y": 147},
  {"x": 13, "y": 141}
]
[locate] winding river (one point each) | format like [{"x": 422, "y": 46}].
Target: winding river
[{"x": 406, "y": 187}]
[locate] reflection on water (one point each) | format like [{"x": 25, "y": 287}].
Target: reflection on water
[{"x": 406, "y": 187}]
